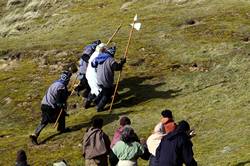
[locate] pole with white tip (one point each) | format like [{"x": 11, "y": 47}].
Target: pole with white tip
[{"x": 135, "y": 25}]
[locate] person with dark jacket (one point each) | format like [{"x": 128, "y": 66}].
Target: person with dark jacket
[
  {"x": 96, "y": 145},
  {"x": 167, "y": 125},
  {"x": 106, "y": 65},
  {"x": 21, "y": 159},
  {"x": 175, "y": 148},
  {"x": 52, "y": 103},
  {"x": 83, "y": 64}
]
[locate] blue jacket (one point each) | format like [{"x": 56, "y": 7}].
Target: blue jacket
[
  {"x": 89, "y": 50},
  {"x": 100, "y": 59}
]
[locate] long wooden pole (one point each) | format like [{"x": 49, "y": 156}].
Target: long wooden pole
[
  {"x": 119, "y": 76},
  {"x": 110, "y": 39},
  {"x": 116, "y": 31}
]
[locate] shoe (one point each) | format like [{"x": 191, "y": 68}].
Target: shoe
[
  {"x": 87, "y": 104},
  {"x": 33, "y": 138},
  {"x": 100, "y": 109}
]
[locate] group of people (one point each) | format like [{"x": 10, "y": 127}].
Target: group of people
[
  {"x": 168, "y": 145},
  {"x": 96, "y": 74}
]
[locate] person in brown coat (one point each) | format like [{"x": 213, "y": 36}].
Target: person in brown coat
[{"x": 96, "y": 145}]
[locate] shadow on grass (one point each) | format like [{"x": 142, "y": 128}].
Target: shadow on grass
[
  {"x": 49, "y": 138},
  {"x": 243, "y": 163},
  {"x": 107, "y": 118},
  {"x": 140, "y": 92}
]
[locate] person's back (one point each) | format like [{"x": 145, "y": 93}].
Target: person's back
[
  {"x": 106, "y": 65},
  {"x": 52, "y": 95},
  {"x": 96, "y": 145},
  {"x": 175, "y": 149},
  {"x": 105, "y": 74},
  {"x": 118, "y": 132},
  {"x": 128, "y": 150}
]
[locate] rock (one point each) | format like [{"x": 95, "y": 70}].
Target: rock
[
  {"x": 138, "y": 63},
  {"x": 43, "y": 60},
  {"x": 174, "y": 66},
  {"x": 61, "y": 54},
  {"x": 126, "y": 5},
  {"x": 14, "y": 55},
  {"x": 190, "y": 22},
  {"x": 11, "y": 3},
  {"x": 162, "y": 36},
  {"x": 245, "y": 39},
  {"x": 179, "y": 2},
  {"x": 31, "y": 15},
  {"x": 3, "y": 66},
  {"x": 7, "y": 100},
  {"x": 226, "y": 149},
  {"x": 142, "y": 49}
]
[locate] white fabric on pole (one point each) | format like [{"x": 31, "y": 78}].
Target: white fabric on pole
[
  {"x": 135, "y": 18},
  {"x": 137, "y": 26},
  {"x": 91, "y": 74}
]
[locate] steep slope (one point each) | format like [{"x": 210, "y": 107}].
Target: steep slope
[{"x": 191, "y": 56}]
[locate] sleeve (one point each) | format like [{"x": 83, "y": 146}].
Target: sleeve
[
  {"x": 187, "y": 153},
  {"x": 107, "y": 142},
  {"x": 140, "y": 150},
  {"x": 157, "y": 152},
  {"x": 114, "y": 149},
  {"x": 62, "y": 96},
  {"x": 116, "y": 66}
]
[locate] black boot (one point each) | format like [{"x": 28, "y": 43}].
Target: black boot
[
  {"x": 33, "y": 138},
  {"x": 38, "y": 130},
  {"x": 87, "y": 103},
  {"x": 102, "y": 103}
]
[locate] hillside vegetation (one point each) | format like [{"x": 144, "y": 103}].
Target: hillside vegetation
[{"x": 191, "y": 56}]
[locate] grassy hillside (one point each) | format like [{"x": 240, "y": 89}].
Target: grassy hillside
[{"x": 190, "y": 56}]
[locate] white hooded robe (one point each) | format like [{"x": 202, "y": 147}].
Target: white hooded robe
[{"x": 91, "y": 74}]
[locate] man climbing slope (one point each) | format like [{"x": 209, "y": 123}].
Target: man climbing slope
[
  {"x": 106, "y": 65},
  {"x": 52, "y": 103}
]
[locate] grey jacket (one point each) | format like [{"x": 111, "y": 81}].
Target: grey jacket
[
  {"x": 56, "y": 94},
  {"x": 105, "y": 72}
]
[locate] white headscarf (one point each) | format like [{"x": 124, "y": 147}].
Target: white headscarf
[{"x": 154, "y": 139}]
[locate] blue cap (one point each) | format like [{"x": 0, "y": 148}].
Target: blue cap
[{"x": 111, "y": 51}]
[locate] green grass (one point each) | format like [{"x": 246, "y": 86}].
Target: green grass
[{"x": 214, "y": 97}]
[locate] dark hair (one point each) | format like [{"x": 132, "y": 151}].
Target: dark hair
[
  {"x": 97, "y": 123},
  {"x": 125, "y": 121},
  {"x": 128, "y": 135},
  {"x": 167, "y": 113},
  {"x": 21, "y": 156},
  {"x": 183, "y": 126}
]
